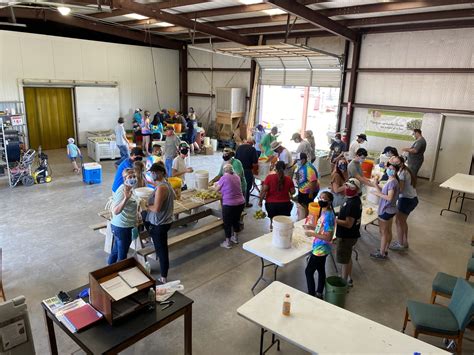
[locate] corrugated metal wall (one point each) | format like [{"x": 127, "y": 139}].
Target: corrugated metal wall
[{"x": 32, "y": 56}]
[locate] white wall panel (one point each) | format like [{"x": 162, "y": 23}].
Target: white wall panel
[{"x": 32, "y": 56}]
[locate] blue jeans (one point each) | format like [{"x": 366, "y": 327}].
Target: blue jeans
[
  {"x": 121, "y": 243},
  {"x": 169, "y": 166},
  {"x": 124, "y": 154}
]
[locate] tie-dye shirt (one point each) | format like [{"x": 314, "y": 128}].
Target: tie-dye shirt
[
  {"x": 307, "y": 174},
  {"x": 325, "y": 225}
]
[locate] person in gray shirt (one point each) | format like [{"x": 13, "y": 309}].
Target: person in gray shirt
[
  {"x": 171, "y": 149},
  {"x": 416, "y": 152},
  {"x": 354, "y": 169}
]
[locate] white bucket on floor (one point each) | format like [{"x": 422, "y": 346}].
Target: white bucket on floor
[
  {"x": 201, "y": 178},
  {"x": 371, "y": 197},
  {"x": 214, "y": 144},
  {"x": 282, "y": 232},
  {"x": 207, "y": 141}
]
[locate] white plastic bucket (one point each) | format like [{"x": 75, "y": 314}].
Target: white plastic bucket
[
  {"x": 214, "y": 144},
  {"x": 207, "y": 141},
  {"x": 263, "y": 168},
  {"x": 371, "y": 197},
  {"x": 201, "y": 179},
  {"x": 282, "y": 232}
]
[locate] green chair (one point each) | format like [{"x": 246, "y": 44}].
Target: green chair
[
  {"x": 443, "y": 284},
  {"x": 446, "y": 322},
  {"x": 470, "y": 268}
]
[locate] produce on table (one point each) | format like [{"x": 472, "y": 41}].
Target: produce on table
[
  {"x": 369, "y": 211},
  {"x": 208, "y": 194},
  {"x": 259, "y": 214}
]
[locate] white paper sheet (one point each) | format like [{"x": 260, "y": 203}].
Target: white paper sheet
[
  {"x": 133, "y": 277},
  {"x": 117, "y": 288}
]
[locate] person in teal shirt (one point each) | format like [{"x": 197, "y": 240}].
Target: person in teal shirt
[
  {"x": 266, "y": 142},
  {"x": 228, "y": 157}
]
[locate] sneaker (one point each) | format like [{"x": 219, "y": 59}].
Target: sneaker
[
  {"x": 226, "y": 244},
  {"x": 379, "y": 256},
  {"x": 234, "y": 239},
  {"x": 396, "y": 246},
  {"x": 319, "y": 295},
  {"x": 350, "y": 283}
]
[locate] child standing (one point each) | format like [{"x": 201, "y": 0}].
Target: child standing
[{"x": 73, "y": 152}]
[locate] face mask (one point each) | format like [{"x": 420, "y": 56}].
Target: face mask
[
  {"x": 350, "y": 192},
  {"x": 361, "y": 160},
  {"x": 337, "y": 140},
  {"x": 184, "y": 151},
  {"x": 131, "y": 182},
  {"x": 342, "y": 167},
  {"x": 390, "y": 172},
  {"x": 226, "y": 157},
  {"x": 154, "y": 176},
  {"x": 323, "y": 203}
]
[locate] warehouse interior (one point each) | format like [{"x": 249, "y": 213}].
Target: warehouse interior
[{"x": 71, "y": 68}]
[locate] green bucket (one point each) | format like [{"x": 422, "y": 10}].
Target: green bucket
[{"x": 335, "y": 291}]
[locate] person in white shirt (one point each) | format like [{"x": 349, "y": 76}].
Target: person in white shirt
[
  {"x": 284, "y": 155},
  {"x": 179, "y": 164},
  {"x": 121, "y": 141},
  {"x": 304, "y": 146},
  {"x": 358, "y": 143}
]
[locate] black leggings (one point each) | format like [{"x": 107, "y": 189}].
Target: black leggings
[
  {"x": 231, "y": 218},
  {"x": 316, "y": 263},
  {"x": 159, "y": 234},
  {"x": 249, "y": 179}
]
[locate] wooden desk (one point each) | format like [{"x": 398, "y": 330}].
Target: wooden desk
[
  {"x": 322, "y": 328},
  {"x": 103, "y": 338}
]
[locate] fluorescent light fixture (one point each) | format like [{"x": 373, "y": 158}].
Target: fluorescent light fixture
[
  {"x": 63, "y": 10},
  {"x": 136, "y": 17},
  {"x": 251, "y": 2},
  {"x": 162, "y": 24},
  {"x": 273, "y": 12}
]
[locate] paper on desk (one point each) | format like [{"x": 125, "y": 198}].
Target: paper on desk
[
  {"x": 117, "y": 288},
  {"x": 133, "y": 277}
]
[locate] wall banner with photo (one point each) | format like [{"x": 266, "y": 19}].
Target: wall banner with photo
[{"x": 392, "y": 124}]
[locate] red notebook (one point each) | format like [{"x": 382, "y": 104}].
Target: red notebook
[{"x": 83, "y": 316}]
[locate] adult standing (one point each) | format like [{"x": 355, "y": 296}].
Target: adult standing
[
  {"x": 277, "y": 190},
  {"x": 233, "y": 203},
  {"x": 267, "y": 140},
  {"x": 137, "y": 124},
  {"x": 228, "y": 158},
  {"x": 354, "y": 168},
  {"x": 258, "y": 134},
  {"x": 121, "y": 141},
  {"x": 303, "y": 146},
  {"x": 192, "y": 131},
  {"x": 387, "y": 210},
  {"x": 171, "y": 148},
  {"x": 416, "y": 152},
  {"x": 407, "y": 202},
  {"x": 160, "y": 216},
  {"x": 348, "y": 228},
  {"x": 323, "y": 233},
  {"x": 283, "y": 155},
  {"x": 136, "y": 154},
  {"x": 179, "y": 164},
  {"x": 356, "y": 145},
  {"x": 336, "y": 149},
  {"x": 308, "y": 185},
  {"x": 248, "y": 156},
  {"x": 156, "y": 129},
  {"x": 146, "y": 133},
  {"x": 339, "y": 177},
  {"x": 308, "y": 135},
  {"x": 124, "y": 216}
]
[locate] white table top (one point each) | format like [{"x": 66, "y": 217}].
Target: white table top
[
  {"x": 320, "y": 327},
  {"x": 460, "y": 182}
]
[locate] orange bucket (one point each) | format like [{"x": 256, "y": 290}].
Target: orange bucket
[
  {"x": 177, "y": 127},
  {"x": 313, "y": 215},
  {"x": 367, "y": 167}
]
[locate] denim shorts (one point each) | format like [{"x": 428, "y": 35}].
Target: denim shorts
[
  {"x": 407, "y": 205},
  {"x": 386, "y": 216}
]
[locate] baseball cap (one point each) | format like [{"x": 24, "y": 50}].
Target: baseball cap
[
  {"x": 353, "y": 183},
  {"x": 362, "y": 136}
]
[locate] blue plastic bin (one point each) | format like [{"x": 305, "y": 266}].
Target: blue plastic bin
[{"x": 92, "y": 173}]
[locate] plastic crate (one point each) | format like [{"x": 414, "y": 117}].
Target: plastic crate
[{"x": 92, "y": 173}]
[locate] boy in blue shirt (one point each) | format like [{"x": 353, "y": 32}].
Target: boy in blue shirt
[
  {"x": 136, "y": 154},
  {"x": 73, "y": 152}
]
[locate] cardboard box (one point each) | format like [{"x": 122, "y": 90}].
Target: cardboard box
[{"x": 207, "y": 150}]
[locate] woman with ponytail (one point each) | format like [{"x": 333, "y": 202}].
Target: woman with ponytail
[
  {"x": 322, "y": 233},
  {"x": 276, "y": 191}
]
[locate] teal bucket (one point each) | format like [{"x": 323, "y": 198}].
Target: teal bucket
[{"x": 336, "y": 291}]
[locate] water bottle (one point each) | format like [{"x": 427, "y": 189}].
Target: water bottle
[
  {"x": 152, "y": 298},
  {"x": 286, "y": 305},
  {"x": 148, "y": 267}
]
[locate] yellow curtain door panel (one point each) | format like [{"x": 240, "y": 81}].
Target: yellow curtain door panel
[{"x": 49, "y": 115}]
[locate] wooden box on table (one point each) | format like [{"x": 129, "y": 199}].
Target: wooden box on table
[{"x": 115, "y": 311}]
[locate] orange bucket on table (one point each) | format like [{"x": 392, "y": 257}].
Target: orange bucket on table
[{"x": 367, "y": 167}]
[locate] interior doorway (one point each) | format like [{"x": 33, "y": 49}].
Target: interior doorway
[{"x": 50, "y": 118}]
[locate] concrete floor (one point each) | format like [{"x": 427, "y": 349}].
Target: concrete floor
[{"x": 48, "y": 247}]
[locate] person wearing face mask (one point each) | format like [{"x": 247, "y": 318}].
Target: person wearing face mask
[
  {"x": 338, "y": 179},
  {"x": 348, "y": 228},
  {"x": 354, "y": 169},
  {"x": 416, "y": 152},
  {"x": 356, "y": 145},
  {"x": 387, "y": 153},
  {"x": 124, "y": 216},
  {"x": 121, "y": 141},
  {"x": 171, "y": 149},
  {"x": 266, "y": 142},
  {"x": 136, "y": 154},
  {"x": 160, "y": 216},
  {"x": 179, "y": 164},
  {"x": 336, "y": 150},
  {"x": 322, "y": 233},
  {"x": 307, "y": 182},
  {"x": 228, "y": 158},
  {"x": 387, "y": 210}
]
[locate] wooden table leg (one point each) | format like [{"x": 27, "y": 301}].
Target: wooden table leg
[
  {"x": 188, "y": 326},
  {"x": 52, "y": 337}
]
